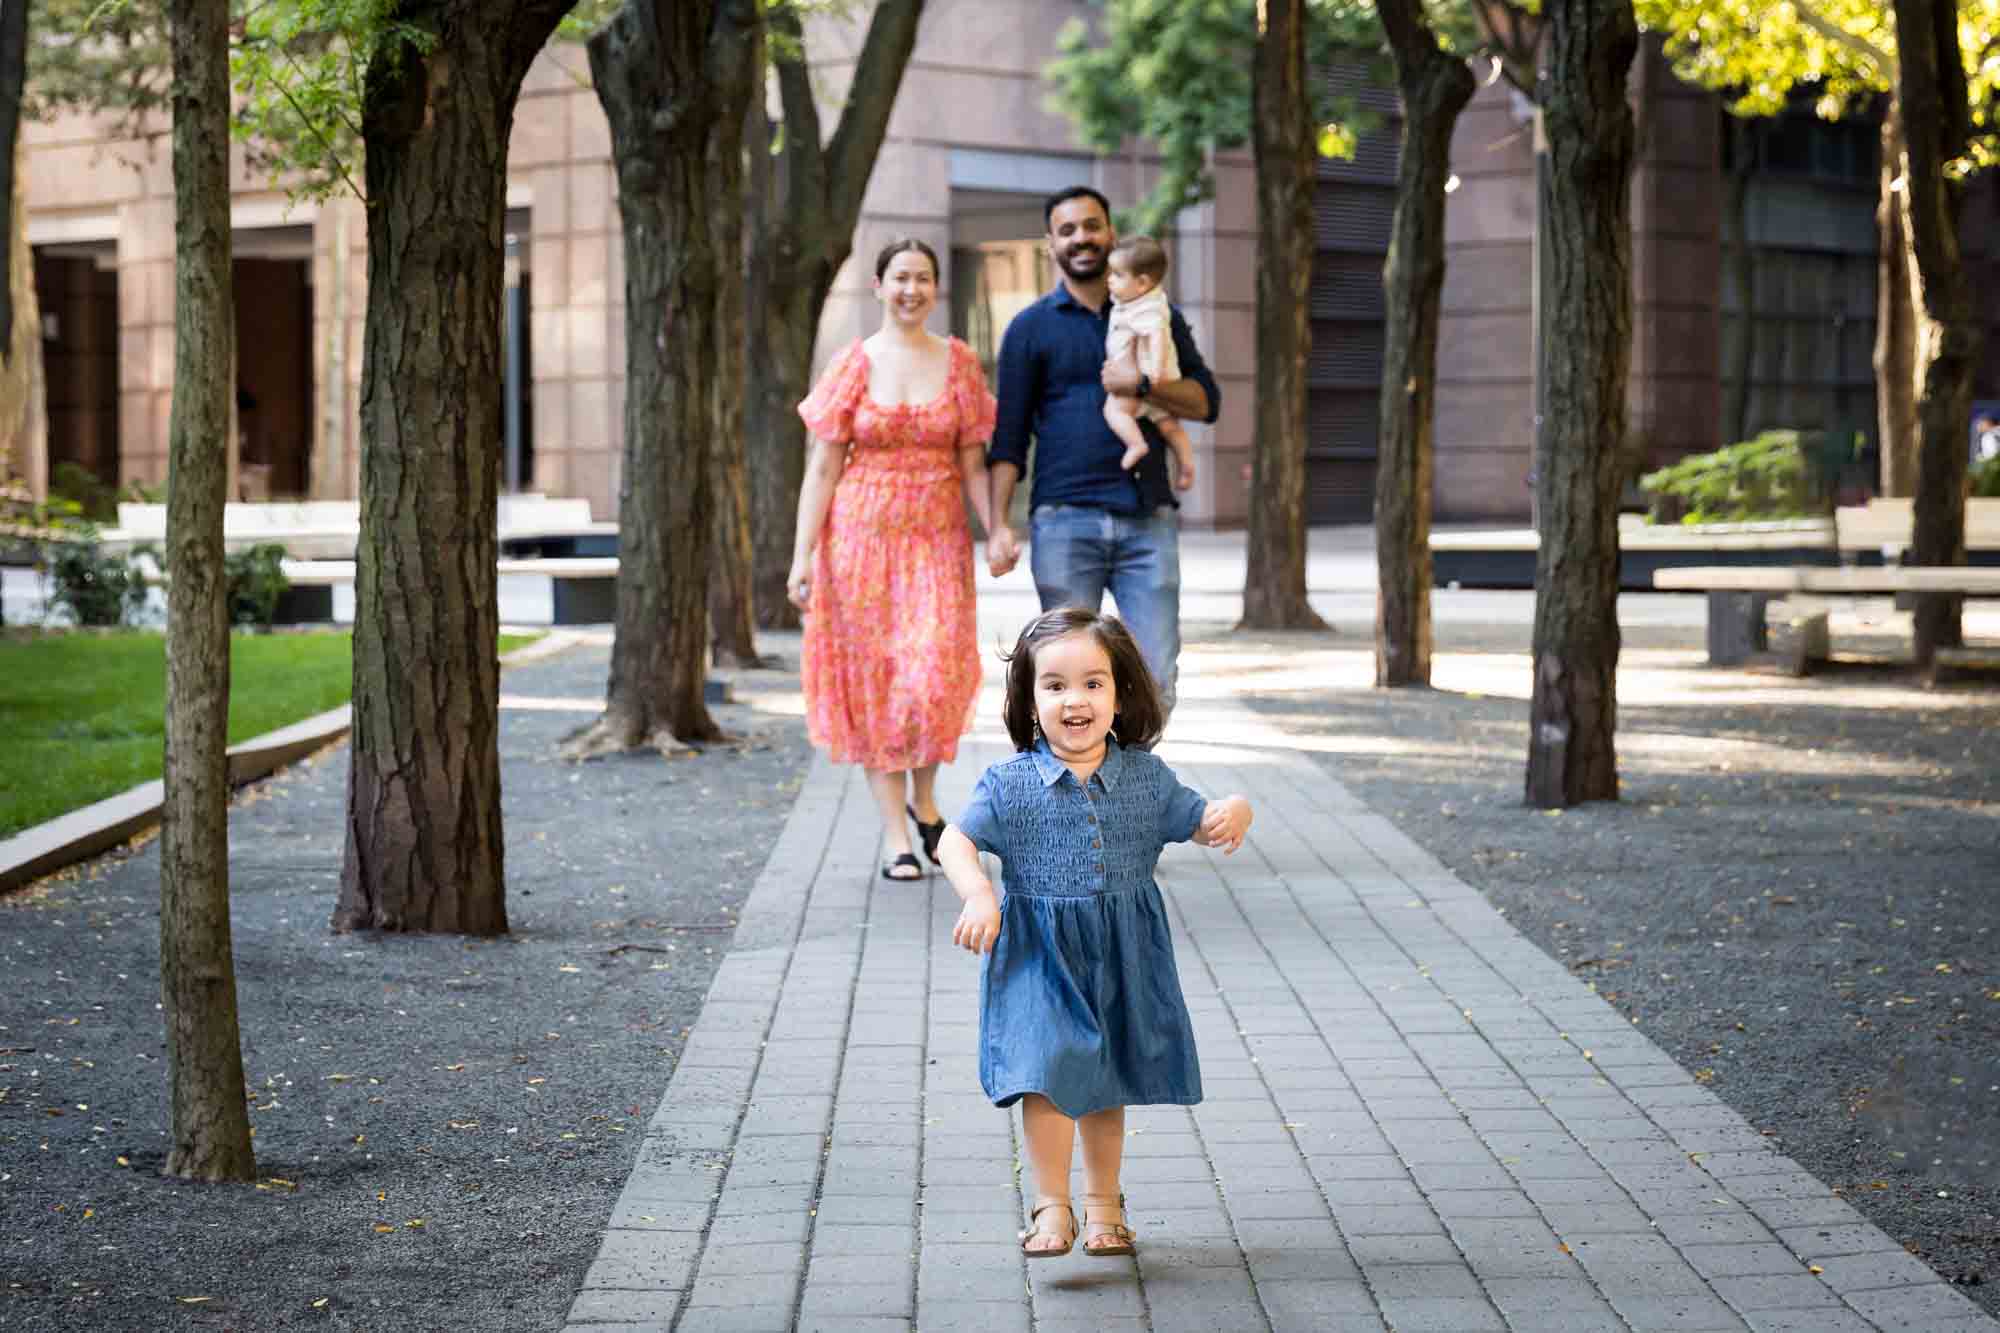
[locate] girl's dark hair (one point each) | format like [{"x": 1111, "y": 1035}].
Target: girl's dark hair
[
  {"x": 1142, "y": 714},
  {"x": 900, "y": 244}
]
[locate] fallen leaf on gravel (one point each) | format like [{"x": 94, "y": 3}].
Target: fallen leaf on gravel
[
  {"x": 567, "y": 967},
  {"x": 336, "y": 1078},
  {"x": 380, "y": 1227},
  {"x": 193, "y": 1300},
  {"x": 414, "y": 1222},
  {"x": 1814, "y": 1268},
  {"x": 124, "y": 1162},
  {"x": 453, "y": 1069},
  {"x": 321, "y": 1303}
]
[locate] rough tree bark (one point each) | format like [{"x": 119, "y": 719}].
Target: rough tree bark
[
  {"x": 1931, "y": 86},
  {"x": 1274, "y": 585},
  {"x": 1435, "y": 87},
  {"x": 1587, "y": 219},
  {"x": 209, "y": 1120},
  {"x": 23, "y": 405},
  {"x": 675, "y": 82},
  {"x": 1896, "y": 282},
  {"x": 732, "y": 605},
  {"x": 423, "y": 794},
  {"x": 13, "y": 83},
  {"x": 804, "y": 204}
]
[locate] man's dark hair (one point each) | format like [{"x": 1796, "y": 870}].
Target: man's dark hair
[
  {"x": 1142, "y": 714},
  {"x": 1141, "y": 256},
  {"x": 1062, "y": 197}
]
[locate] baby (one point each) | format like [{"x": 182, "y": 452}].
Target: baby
[{"x": 1142, "y": 326}]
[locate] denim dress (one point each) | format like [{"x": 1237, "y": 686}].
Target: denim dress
[{"x": 1080, "y": 1000}]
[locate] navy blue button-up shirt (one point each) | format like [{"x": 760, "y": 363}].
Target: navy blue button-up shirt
[{"x": 1050, "y": 363}]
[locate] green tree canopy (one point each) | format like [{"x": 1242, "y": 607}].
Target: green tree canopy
[
  {"x": 1843, "y": 52},
  {"x": 1177, "y": 74}
]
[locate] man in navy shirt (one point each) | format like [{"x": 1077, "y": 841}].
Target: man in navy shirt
[{"x": 1092, "y": 524}]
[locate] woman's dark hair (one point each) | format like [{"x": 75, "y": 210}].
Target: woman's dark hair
[
  {"x": 900, "y": 244},
  {"x": 1142, "y": 714},
  {"x": 1061, "y": 197}
]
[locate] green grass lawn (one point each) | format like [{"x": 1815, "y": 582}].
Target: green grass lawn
[{"x": 81, "y": 714}]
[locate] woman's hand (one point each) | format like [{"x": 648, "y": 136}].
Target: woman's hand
[
  {"x": 978, "y": 923},
  {"x": 798, "y": 586},
  {"x": 1003, "y": 551}
]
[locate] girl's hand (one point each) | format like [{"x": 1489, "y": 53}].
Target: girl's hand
[
  {"x": 978, "y": 923},
  {"x": 1224, "y": 823},
  {"x": 798, "y": 586}
]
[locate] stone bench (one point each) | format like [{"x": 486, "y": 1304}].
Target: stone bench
[
  {"x": 583, "y": 590},
  {"x": 1746, "y": 604},
  {"x": 528, "y": 525}
]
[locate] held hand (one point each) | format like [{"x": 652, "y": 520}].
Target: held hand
[
  {"x": 798, "y": 587},
  {"x": 978, "y": 923},
  {"x": 1003, "y": 551},
  {"x": 1224, "y": 823}
]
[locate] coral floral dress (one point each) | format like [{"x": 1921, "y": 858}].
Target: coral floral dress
[{"x": 890, "y": 661}]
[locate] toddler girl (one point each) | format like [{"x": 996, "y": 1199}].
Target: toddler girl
[
  {"x": 1081, "y": 1012},
  {"x": 1142, "y": 326}
]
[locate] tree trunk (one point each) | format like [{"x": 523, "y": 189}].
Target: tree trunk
[
  {"x": 13, "y": 83},
  {"x": 1895, "y": 356},
  {"x": 208, "y": 1117},
  {"x": 1274, "y": 585},
  {"x": 1587, "y": 220},
  {"x": 329, "y": 462},
  {"x": 803, "y": 211},
  {"x": 675, "y": 83},
  {"x": 23, "y": 398},
  {"x": 733, "y": 603},
  {"x": 24, "y": 420},
  {"x": 1435, "y": 88},
  {"x": 423, "y": 797},
  {"x": 1741, "y": 276},
  {"x": 1932, "y": 90}
]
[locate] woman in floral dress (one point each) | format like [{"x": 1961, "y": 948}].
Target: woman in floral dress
[{"x": 882, "y": 564}]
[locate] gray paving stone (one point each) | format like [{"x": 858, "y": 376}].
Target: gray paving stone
[
  {"x": 849, "y": 1238},
  {"x": 841, "y": 1303},
  {"x": 1313, "y": 1305},
  {"x": 1691, "y": 1312},
  {"x": 737, "y": 1319},
  {"x": 624, "y": 1307},
  {"x": 973, "y": 1316},
  {"x": 778, "y": 1261},
  {"x": 1375, "y": 1251},
  {"x": 1933, "y": 1309},
  {"x": 871, "y": 1210},
  {"x": 1433, "y": 1314},
  {"x": 644, "y": 1261},
  {"x": 1776, "y": 1291},
  {"x": 1816, "y": 1244},
  {"x": 1753, "y": 1260},
  {"x": 1720, "y": 1224},
  {"x": 1552, "y": 1305},
  {"x": 862, "y": 1270},
  {"x": 1276, "y": 1204},
  {"x": 1879, "y": 1269},
  {"x": 1807, "y": 1321}
]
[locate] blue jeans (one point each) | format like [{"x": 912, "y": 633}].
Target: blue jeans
[{"x": 1077, "y": 553}]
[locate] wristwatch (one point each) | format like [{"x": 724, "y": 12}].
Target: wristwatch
[{"x": 1145, "y": 388}]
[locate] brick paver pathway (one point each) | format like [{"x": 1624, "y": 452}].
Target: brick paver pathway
[{"x": 1415, "y": 1120}]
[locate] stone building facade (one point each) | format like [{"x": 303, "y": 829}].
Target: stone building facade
[{"x": 972, "y": 150}]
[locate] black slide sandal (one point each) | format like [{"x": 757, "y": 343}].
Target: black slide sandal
[
  {"x": 905, "y": 859},
  {"x": 932, "y": 835}
]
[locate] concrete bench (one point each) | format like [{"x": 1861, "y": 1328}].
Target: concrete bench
[
  {"x": 582, "y": 590},
  {"x": 1882, "y": 528},
  {"x": 528, "y": 525},
  {"x": 1745, "y": 604}
]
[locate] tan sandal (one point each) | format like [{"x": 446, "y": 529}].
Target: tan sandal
[
  {"x": 1120, "y": 1238},
  {"x": 1035, "y": 1228}
]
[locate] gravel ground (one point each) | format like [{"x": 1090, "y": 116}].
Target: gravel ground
[
  {"x": 442, "y": 1125},
  {"x": 1795, "y": 896}
]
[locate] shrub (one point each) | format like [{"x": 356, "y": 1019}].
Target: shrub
[
  {"x": 1763, "y": 478},
  {"x": 93, "y": 585},
  {"x": 93, "y": 499},
  {"x": 1985, "y": 479},
  {"x": 255, "y": 579}
]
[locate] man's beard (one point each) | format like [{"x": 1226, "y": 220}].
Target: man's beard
[{"x": 1067, "y": 263}]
